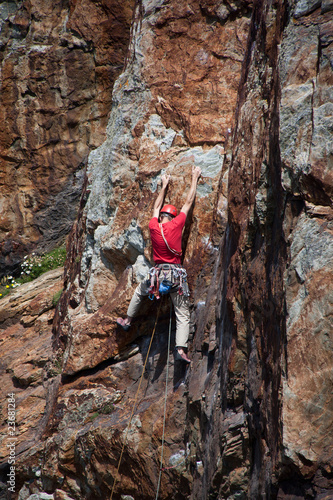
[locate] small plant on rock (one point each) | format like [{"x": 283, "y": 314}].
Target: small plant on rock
[
  {"x": 32, "y": 267},
  {"x": 56, "y": 297}
]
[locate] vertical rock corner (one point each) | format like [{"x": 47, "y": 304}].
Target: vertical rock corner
[{"x": 144, "y": 88}]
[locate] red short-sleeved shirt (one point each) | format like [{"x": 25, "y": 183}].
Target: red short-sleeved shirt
[{"x": 172, "y": 231}]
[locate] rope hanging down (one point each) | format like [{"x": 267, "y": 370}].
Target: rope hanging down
[
  {"x": 135, "y": 400},
  {"x": 165, "y": 404}
]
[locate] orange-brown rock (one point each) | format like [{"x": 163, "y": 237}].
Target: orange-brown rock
[
  {"x": 57, "y": 75},
  {"x": 279, "y": 257},
  {"x": 26, "y": 316},
  {"x": 122, "y": 187},
  {"x": 251, "y": 416}
]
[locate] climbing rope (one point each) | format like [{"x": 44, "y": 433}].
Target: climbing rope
[
  {"x": 165, "y": 404},
  {"x": 135, "y": 400}
]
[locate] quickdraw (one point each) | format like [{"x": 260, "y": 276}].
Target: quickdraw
[
  {"x": 154, "y": 284},
  {"x": 160, "y": 287},
  {"x": 181, "y": 274}
]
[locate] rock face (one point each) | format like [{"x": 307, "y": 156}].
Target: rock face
[
  {"x": 245, "y": 92},
  {"x": 27, "y": 370},
  {"x": 307, "y": 179},
  {"x": 57, "y": 74}
]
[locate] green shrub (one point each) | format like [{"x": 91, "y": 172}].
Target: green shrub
[{"x": 32, "y": 267}]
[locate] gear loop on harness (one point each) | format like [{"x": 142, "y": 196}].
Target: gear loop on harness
[{"x": 166, "y": 278}]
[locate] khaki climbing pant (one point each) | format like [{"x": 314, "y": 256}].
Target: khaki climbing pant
[{"x": 181, "y": 305}]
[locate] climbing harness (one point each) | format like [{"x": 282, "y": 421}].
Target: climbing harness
[
  {"x": 135, "y": 403},
  {"x": 166, "y": 278}
]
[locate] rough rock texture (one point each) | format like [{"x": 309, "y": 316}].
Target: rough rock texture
[
  {"x": 26, "y": 317},
  {"x": 276, "y": 321},
  {"x": 307, "y": 95},
  {"x": 123, "y": 173},
  {"x": 58, "y": 61},
  {"x": 252, "y": 417}
]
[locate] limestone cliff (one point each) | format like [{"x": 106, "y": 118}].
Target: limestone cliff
[{"x": 245, "y": 92}]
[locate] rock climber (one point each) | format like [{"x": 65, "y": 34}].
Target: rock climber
[{"x": 168, "y": 275}]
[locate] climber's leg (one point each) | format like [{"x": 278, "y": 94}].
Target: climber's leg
[
  {"x": 140, "y": 292},
  {"x": 182, "y": 311}
]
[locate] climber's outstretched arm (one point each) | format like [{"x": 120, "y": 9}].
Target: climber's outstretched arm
[
  {"x": 196, "y": 172},
  {"x": 159, "y": 200}
]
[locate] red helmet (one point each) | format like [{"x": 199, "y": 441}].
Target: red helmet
[{"x": 169, "y": 209}]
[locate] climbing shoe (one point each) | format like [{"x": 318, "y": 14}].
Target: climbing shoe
[
  {"x": 181, "y": 356},
  {"x": 121, "y": 322}
]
